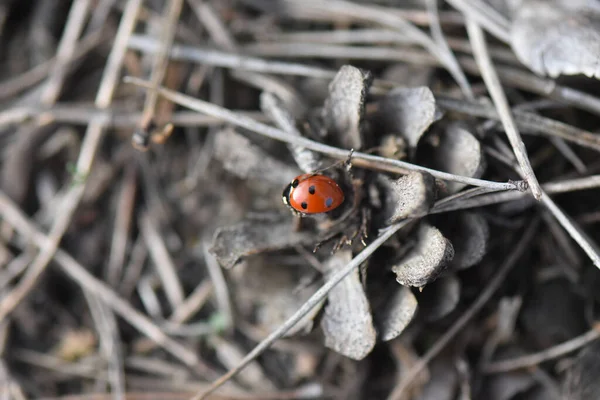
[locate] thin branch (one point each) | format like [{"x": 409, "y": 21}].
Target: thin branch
[
  {"x": 331, "y": 51},
  {"x": 440, "y": 39},
  {"x": 84, "y": 163},
  {"x": 311, "y": 303},
  {"x": 110, "y": 343},
  {"x": 511, "y": 76},
  {"x": 530, "y": 82},
  {"x": 220, "y": 285},
  {"x": 569, "y": 154},
  {"x": 115, "y": 117},
  {"x": 190, "y": 306},
  {"x": 122, "y": 225},
  {"x": 492, "y": 82},
  {"x": 579, "y": 236},
  {"x": 532, "y": 360},
  {"x": 163, "y": 262},
  {"x": 384, "y": 17},
  {"x": 586, "y": 183},
  {"x": 526, "y": 121},
  {"x": 193, "y": 303},
  {"x": 485, "y": 16},
  {"x": 66, "y": 50},
  {"x": 227, "y": 60},
  {"x": 358, "y": 159},
  {"x": 161, "y": 58},
  {"x": 13, "y": 215}
]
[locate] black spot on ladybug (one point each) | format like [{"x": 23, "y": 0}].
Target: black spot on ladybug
[
  {"x": 311, "y": 189},
  {"x": 304, "y": 205},
  {"x": 328, "y": 202}
]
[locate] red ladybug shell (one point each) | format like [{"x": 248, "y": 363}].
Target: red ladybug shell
[{"x": 313, "y": 194}]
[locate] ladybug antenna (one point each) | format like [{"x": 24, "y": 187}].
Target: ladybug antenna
[{"x": 347, "y": 162}]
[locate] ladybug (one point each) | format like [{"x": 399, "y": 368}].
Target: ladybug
[{"x": 313, "y": 194}]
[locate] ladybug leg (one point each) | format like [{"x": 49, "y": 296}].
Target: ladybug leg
[
  {"x": 343, "y": 241},
  {"x": 360, "y": 230},
  {"x": 338, "y": 245},
  {"x": 327, "y": 239},
  {"x": 364, "y": 225},
  {"x": 347, "y": 219},
  {"x": 297, "y": 222},
  {"x": 336, "y": 230},
  {"x": 357, "y": 194}
]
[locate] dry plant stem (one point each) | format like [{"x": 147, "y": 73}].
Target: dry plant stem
[
  {"x": 485, "y": 16},
  {"x": 511, "y": 76},
  {"x": 193, "y": 303},
  {"x": 122, "y": 225},
  {"x": 66, "y": 50},
  {"x": 548, "y": 382},
  {"x": 565, "y": 245},
  {"x": 165, "y": 267},
  {"x": 481, "y": 300},
  {"x": 102, "y": 10},
  {"x": 227, "y": 60},
  {"x": 586, "y": 243},
  {"x": 12, "y": 86},
  {"x": 416, "y": 16},
  {"x": 589, "y": 182},
  {"x": 148, "y": 294},
  {"x": 3, "y": 337},
  {"x": 358, "y": 159},
  {"x": 386, "y": 18},
  {"x": 527, "y": 121},
  {"x": 461, "y": 197},
  {"x": 579, "y": 236},
  {"x": 14, "y": 216},
  {"x": 492, "y": 83},
  {"x": 213, "y": 24},
  {"x": 543, "y": 86},
  {"x": 10, "y": 388},
  {"x": 115, "y": 59},
  {"x": 74, "y": 114},
  {"x": 220, "y": 285},
  {"x": 568, "y": 153},
  {"x": 438, "y": 36},
  {"x": 57, "y": 365},
  {"x": 84, "y": 163},
  {"x": 535, "y": 359},
  {"x": 331, "y": 52},
  {"x": 110, "y": 343},
  {"x": 161, "y": 59},
  {"x": 133, "y": 269},
  {"x": 313, "y": 301}
]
